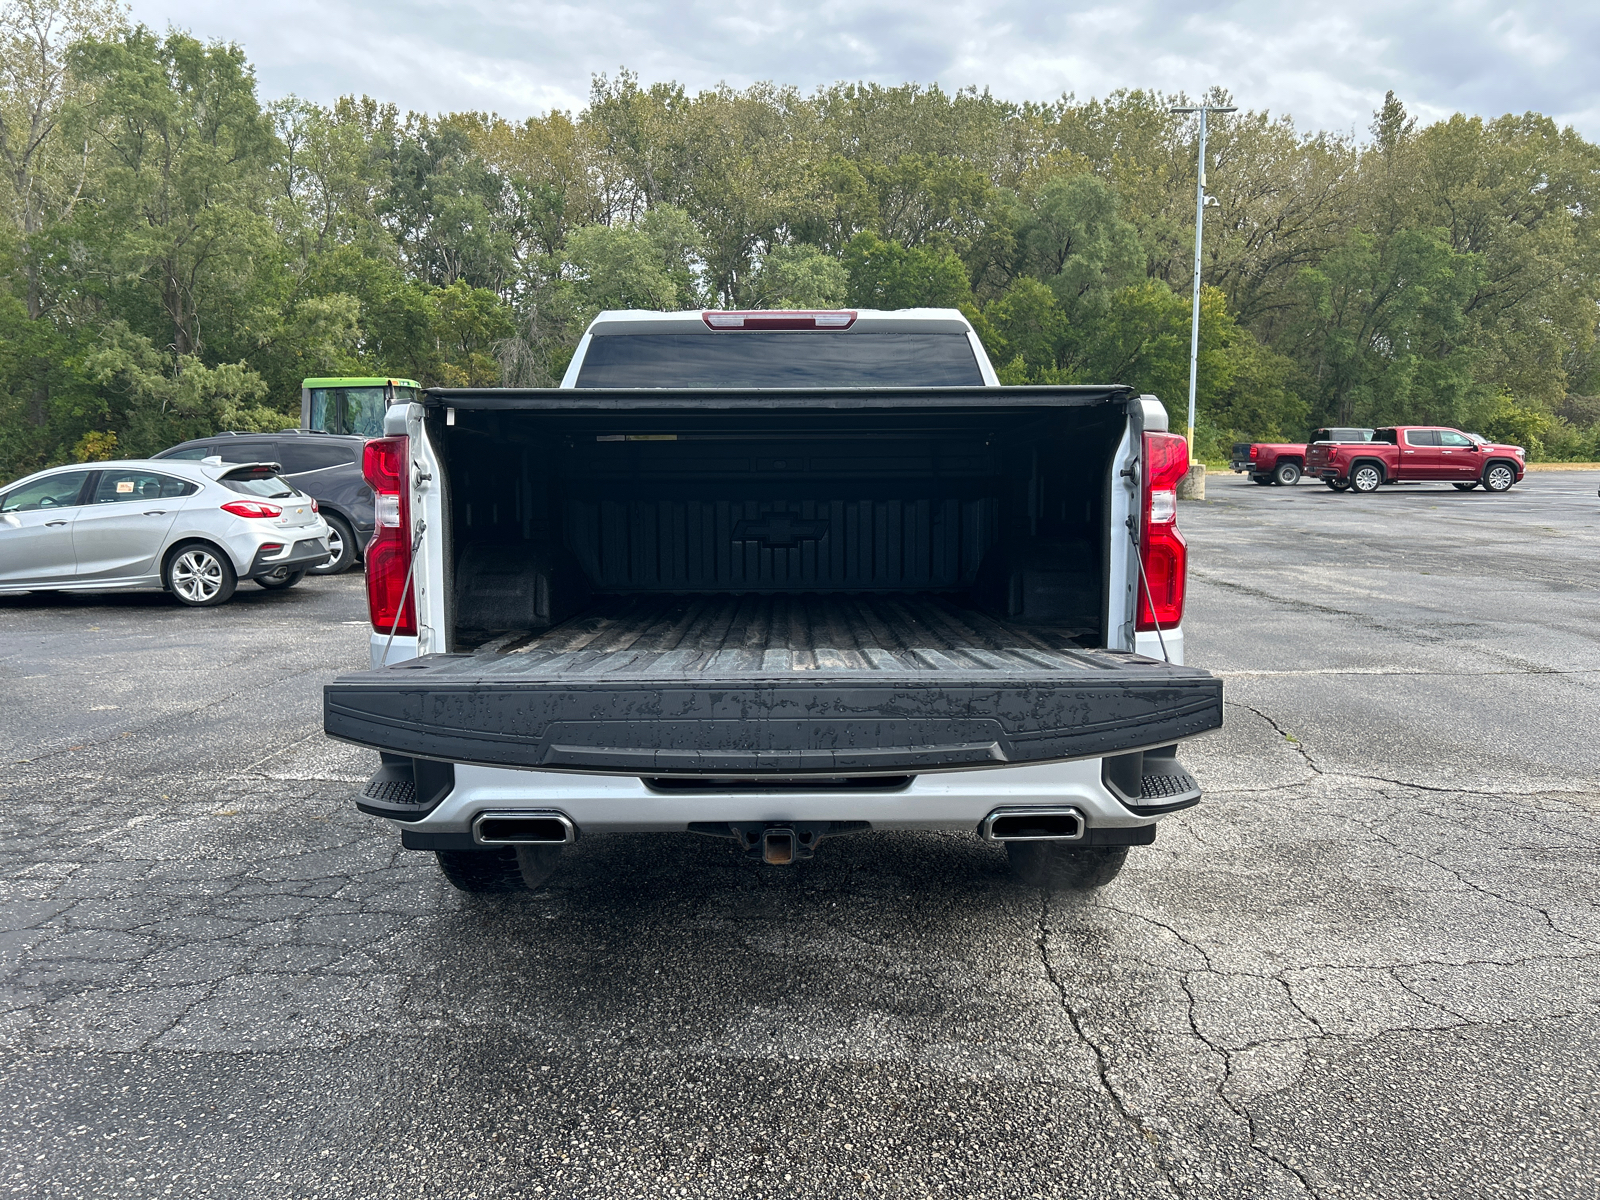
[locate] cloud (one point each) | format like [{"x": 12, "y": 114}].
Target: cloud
[{"x": 1327, "y": 65}]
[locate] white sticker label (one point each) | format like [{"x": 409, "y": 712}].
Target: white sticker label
[{"x": 124, "y": 487}]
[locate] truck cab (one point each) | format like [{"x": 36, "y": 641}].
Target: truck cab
[{"x": 352, "y": 405}]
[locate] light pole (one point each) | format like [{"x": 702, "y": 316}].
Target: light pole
[{"x": 1200, "y": 201}]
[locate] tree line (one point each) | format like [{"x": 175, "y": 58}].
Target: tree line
[{"x": 179, "y": 253}]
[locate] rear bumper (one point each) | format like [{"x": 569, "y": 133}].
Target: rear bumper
[
  {"x": 954, "y": 801},
  {"x": 296, "y": 556},
  {"x": 428, "y": 708}
]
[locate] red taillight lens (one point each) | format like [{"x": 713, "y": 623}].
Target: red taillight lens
[
  {"x": 1254, "y": 450},
  {"x": 780, "y": 319},
  {"x": 1161, "y": 548},
  {"x": 384, "y": 463},
  {"x": 253, "y": 509},
  {"x": 315, "y": 507}
]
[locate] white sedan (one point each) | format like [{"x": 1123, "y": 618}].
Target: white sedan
[{"x": 194, "y": 529}]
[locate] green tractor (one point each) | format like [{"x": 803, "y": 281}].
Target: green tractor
[{"x": 351, "y": 405}]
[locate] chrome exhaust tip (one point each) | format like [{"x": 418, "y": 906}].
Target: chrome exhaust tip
[
  {"x": 1034, "y": 825},
  {"x": 523, "y": 829}
]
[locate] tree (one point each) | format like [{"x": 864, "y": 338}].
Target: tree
[
  {"x": 645, "y": 265},
  {"x": 798, "y": 277},
  {"x": 178, "y": 216},
  {"x": 1384, "y": 336},
  {"x": 447, "y": 209},
  {"x": 888, "y": 275},
  {"x": 158, "y": 399},
  {"x": 332, "y": 174},
  {"x": 46, "y": 165}
]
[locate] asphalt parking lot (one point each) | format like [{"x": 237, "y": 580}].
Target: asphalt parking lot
[{"x": 1367, "y": 965}]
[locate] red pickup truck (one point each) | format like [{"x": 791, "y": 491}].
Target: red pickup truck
[
  {"x": 1284, "y": 462},
  {"x": 1416, "y": 453}
]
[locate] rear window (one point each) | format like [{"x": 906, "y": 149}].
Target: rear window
[
  {"x": 774, "y": 359},
  {"x": 270, "y": 486},
  {"x": 298, "y": 457},
  {"x": 245, "y": 452}
]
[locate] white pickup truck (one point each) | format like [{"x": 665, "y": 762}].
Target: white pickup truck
[{"x": 776, "y": 577}]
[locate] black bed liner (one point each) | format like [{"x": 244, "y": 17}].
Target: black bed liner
[
  {"x": 733, "y": 635},
  {"x": 759, "y": 684}
]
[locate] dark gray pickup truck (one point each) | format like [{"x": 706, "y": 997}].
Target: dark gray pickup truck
[{"x": 673, "y": 595}]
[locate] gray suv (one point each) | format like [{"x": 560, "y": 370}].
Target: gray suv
[{"x": 325, "y": 466}]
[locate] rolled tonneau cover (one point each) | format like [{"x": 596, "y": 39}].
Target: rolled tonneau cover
[
  {"x": 662, "y": 400},
  {"x": 766, "y": 710}
]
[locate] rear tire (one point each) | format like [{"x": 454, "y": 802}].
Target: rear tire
[
  {"x": 1465, "y": 487},
  {"x": 1261, "y": 480},
  {"x": 482, "y": 872},
  {"x": 537, "y": 864},
  {"x": 1059, "y": 868},
  {"x": 1287, "y": 474},
  {"x": 1498, "y": 477},
  {"x": 200, "y": 576},
  {"x": 1366, "y": 478},
  {"x": 1337, "y": 485},
  {"x": 342, "y": 543},
  {"x": 281, "y": 580}
]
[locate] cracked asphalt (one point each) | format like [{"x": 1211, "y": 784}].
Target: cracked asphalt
[{"x": 1367, "y": 965}]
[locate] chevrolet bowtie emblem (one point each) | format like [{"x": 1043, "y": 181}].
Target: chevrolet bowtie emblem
[{"x": 779, "y": 531}]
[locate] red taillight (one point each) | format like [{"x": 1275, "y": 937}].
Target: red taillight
[
  {"x": 1254, "y": 450},
  {"x": 315, "y": 507},
  {"x": 779, "y": 319},
  {"x": 384, "y": 463},
  {"x": 1161, "y": 547},
  {"x": 253, "y": 509}
]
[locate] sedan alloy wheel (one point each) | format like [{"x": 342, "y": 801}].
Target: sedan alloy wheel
[{"x": 199, "y": 576}]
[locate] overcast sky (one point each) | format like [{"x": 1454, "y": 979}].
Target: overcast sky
[{"x": 1327, "y": 63}]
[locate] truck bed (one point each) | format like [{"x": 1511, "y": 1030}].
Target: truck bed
[
  {"x": 729, "y": 636},
  {"x": 774, "y": 685}
]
